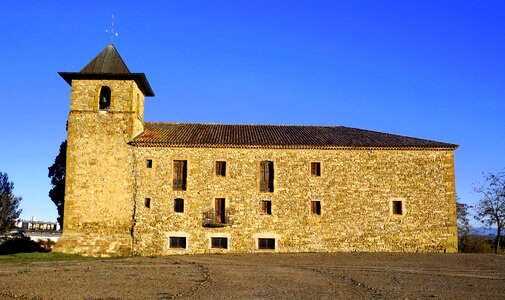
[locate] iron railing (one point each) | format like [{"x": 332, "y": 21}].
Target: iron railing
[{"x": 211, "y": 219}]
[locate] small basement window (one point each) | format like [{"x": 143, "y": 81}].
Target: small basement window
[
  {"x": 397, "y": 207},
  {"x": 179, "y": 205},
  {"x": 266, "y": 207},
  {"x": 104, "y": 100},
  {"x": 147, "y": 202},
  {"x": 149, "y": 163},
  {"x": 266, "y": 243},
  {"x": 315, "y": 207},
  {"x": 178, "y": 242},
  {"x": 221, "y": 168},
  {"x": 219, "y": 242},
  {"x": 315, "y": 168}
]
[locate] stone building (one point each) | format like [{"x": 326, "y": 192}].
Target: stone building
[{"x": 145, "y": 188}]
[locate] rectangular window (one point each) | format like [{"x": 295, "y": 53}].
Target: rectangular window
[
  {"x": 397, "y": 207},
  {"x": 266, "y": 176},
  {"x": 221, "y": 168},
  {"x": 180, "y": 174},
  {"x": 179, "y": 205},
  {"x": 316, "y": 207},
  {"x": 178, "y": 242},
  {"x": 266, "y": 243},
  {"x": 315, "y": 168},
  {"x": 266, "y": 207},
  {"x": 219, "y": 242},
  {"x": 220, "y": 210},
  {"x": 149, "y": 163},
  {"x": 147, "y": 202}
]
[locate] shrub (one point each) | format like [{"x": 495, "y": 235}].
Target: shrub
[{"x": 18, "y": 243}]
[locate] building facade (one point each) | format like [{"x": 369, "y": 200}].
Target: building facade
[{"x": 145, "y": 188}]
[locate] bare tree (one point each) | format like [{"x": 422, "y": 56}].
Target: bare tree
[
  {"x": 9, "y": 204},
  {"x": 491, "y": 208}
]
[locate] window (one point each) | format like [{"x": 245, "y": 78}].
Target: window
[
  {"x": 397, "y": 207},
  {"x": 179, "y": 205},
  {"x": 266, "y": 176},
  {"x": 266, "y": 243},
  {"x": 149, "y": 163},
  {"x": 147, "y": 202},
  {"x": 219, "y": 242},
  {"x": 104, "y": 100},
  {"x": 220, "y": 211},
  {"x": 178, "y": 242},
  {"x": 221, "y": 168},
  {"x": 315, "y": 207},
  {"x": 180, "y": 174},
  {"x": 315, "y": 168},
  {"x": 266, "y": 207}
]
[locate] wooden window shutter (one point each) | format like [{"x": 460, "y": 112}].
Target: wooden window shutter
[
  {"x": 315, "y": 169},
  {"x": 180, "y": 174},
  {"x": 267, "y": 176}
]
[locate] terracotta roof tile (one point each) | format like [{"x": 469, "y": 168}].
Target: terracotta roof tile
[{"x": 274, "y": 136}]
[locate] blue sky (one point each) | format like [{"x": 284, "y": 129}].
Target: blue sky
[{"x": 428, "y": 69}]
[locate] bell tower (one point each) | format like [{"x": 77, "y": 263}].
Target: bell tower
[{"x": 106, "y": 113}]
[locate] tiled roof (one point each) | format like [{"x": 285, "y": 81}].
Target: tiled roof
[{"x": 274, "y": 136}]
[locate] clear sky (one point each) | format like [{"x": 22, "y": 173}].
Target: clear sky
[{"x": 428, "y": 69}]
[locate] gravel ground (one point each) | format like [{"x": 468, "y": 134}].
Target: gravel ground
[{"x": 259, "y": 276}]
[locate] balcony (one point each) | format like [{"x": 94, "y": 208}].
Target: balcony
[{"x": 213, "y": 219}]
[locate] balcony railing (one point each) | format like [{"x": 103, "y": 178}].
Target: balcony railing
[{"x": 211, "y": 219}]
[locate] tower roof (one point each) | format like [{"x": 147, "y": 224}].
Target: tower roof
[
  {"x": 108, "y": 64},
  {"x": 107, "y": 61}
]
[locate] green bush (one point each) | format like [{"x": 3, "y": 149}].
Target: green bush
[{"x": 19, "y": 243}]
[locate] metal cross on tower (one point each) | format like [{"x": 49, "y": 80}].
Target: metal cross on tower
[{"x": 112, "y": 31}]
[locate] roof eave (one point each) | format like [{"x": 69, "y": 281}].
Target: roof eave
[{"x": 139, "y": 78}]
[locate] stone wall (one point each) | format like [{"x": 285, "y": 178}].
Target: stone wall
[
  {"x": 99, "y": 197},
  {"x": 356, "y": 189},
  {"x": 108, "y": 182}
]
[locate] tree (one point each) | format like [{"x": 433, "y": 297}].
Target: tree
[
  {"x": 57, "y": 174},
  {"x": 491, "y": 207},
  {"x": 462, "y": 216},
  {"x": 9, "y": 204}
]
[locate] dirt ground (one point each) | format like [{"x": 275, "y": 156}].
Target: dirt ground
[{"x": 259, "y": 276}]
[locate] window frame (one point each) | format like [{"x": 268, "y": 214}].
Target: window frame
[
  {"x": 149, "y": 163},
  {"x": 397, "y": 207},
  {"x": 267, "y": 243},
  {"x": 220, "y": 168},
  {"x": 179, "y": 205},
  {"x": 180, "y": 242},
  {"x": 315, "y": 207},
  {"x": 266, "y": 176},
  {"x": 266, "y": 207},
  {"x": 315, "y": 169},
  {"x": 219, "y": 245},
  {"x": 180, "y": 168}
]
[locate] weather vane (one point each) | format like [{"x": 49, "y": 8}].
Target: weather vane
[{"x": 112, "y": 31}]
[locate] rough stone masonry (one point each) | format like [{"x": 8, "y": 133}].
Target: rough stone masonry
[{"x": 140, "y": 188}]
